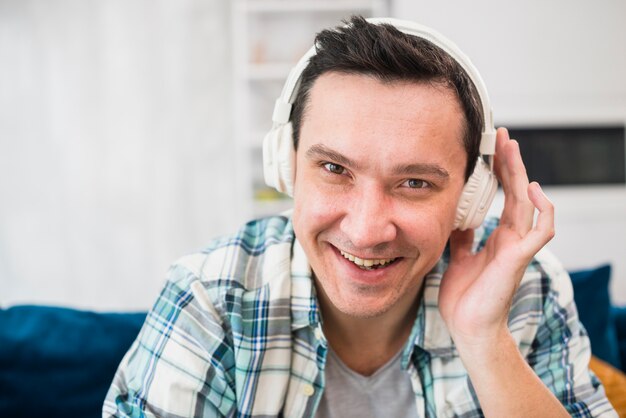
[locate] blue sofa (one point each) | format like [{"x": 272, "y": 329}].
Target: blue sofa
[
  {"x": 59, "y": 362},
  {"x": 605, "y": 323}
]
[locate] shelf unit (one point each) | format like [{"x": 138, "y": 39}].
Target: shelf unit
[{"x": 268, "y": 37}]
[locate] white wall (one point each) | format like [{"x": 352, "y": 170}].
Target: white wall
[
  {"x": 551, "y": 62},
  {"x": 542, "y": 61},
  {"x": 115, "y": 151}
]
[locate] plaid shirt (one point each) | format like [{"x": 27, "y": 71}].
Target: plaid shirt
[{"x": 236, "y": 332}]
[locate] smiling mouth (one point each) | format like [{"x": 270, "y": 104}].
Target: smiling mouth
[{"x": 368, "y": 263}]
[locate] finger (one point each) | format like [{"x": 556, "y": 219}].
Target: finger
[
  {"x": 523, "y": 206},
  {"x": 543, "y": 231},
  {"x": 502, "y": 137},
  {"x": 461, "y": 244},
  {"x": 501, "y": 171},
  {"x": 518, "y": 209}
]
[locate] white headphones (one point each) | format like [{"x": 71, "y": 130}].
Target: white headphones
[{"x": 278, "y": 148}]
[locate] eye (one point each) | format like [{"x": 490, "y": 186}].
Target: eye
[
  {"x": 334, "y": 168},
  {"x": 416, "y": 184}
]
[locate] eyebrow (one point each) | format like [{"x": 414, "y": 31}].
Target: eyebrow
[
  {"x": 319, "y": 151},
  {"x": 421, "y": 169},
  {"x": 323, "y": 152}
]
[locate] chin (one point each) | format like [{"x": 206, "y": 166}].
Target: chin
[
  {"x": 362, "y": 312},
  {"x": 362, "y": 307}
]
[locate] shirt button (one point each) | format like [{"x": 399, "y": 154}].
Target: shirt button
[
  {"x": 308, "y": 390},
  {"x": 318, "y": 333}
]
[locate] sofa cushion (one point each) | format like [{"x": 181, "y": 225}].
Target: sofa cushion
[
  {"x": 619, "y": 314},
  {"x": 59, "y": 361},
  {"x": 591, "y": 293}
]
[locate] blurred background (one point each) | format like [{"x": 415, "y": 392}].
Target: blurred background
[{"x": 130, "y": 131}]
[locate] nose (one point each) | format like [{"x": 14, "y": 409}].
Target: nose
[{"x": 368, "y": 220}]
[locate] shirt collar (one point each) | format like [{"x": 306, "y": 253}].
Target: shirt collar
[
  {"x": 430, "y": 332},
  {"x": 304, "y": 306}
]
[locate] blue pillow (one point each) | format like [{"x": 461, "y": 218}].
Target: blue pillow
[
  {"x": 619, "y": 314},
  {"x": 591, "y": 293},
  {"x": 59, "y": 361}
]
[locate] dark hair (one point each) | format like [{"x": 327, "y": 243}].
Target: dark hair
[{"x": 382, "y": 51}]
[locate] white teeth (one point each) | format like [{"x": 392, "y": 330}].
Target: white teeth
[{"x": 367, "y": 263}]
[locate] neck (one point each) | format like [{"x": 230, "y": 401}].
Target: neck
[{"x": 366, "y": 344}]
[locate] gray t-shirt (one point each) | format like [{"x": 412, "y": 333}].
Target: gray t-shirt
[{"x": 347, "y": 394}]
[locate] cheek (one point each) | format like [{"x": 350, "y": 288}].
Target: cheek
[
  {"x": 315, "y": 209},
  {"x": 430, "y": 223}
]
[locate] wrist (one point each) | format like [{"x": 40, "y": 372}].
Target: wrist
[
  {"x": 504, "y": 382},
  {"x": 486, "y": 348}
]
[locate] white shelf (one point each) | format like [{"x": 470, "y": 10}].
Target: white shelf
[
  {"x": 290, "y": 6},
  {"x": 269, "y": 71},
  {"x": 271, "y": 207}
]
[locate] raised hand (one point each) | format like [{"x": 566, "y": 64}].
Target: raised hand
[{"x": 477, "y": 289}]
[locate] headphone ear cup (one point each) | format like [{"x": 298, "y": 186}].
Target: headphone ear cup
[
  {"x": 476, "y": 197},
  {"x": 279, "y": 158}
]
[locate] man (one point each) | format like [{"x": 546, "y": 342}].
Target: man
[{"x": 372, "y": 299}]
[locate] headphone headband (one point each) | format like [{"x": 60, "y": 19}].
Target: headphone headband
[{"x": 283, "y": 105}]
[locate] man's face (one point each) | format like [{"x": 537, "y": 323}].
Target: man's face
[{"x": 379, "y": 172}]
